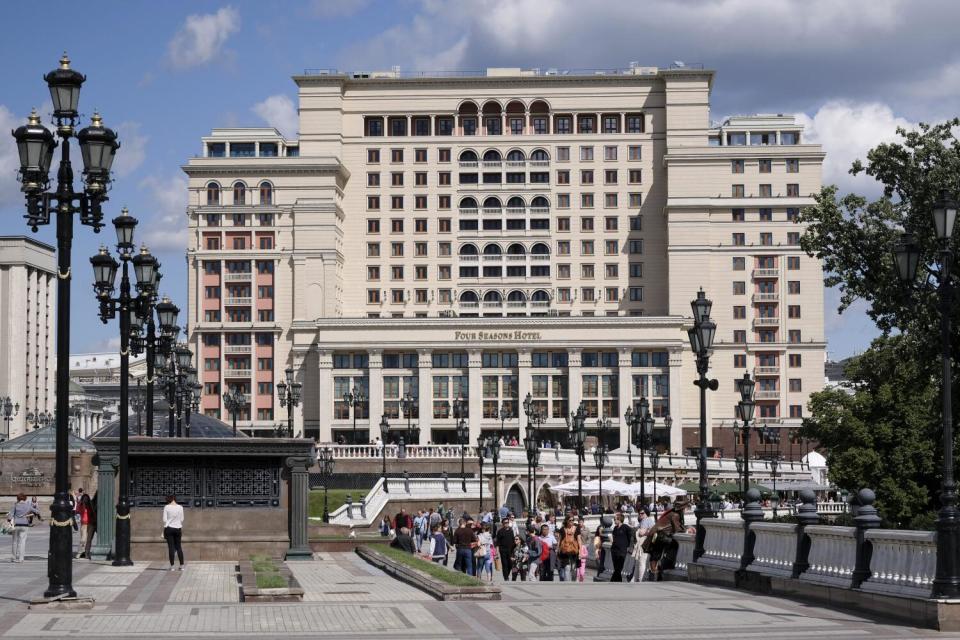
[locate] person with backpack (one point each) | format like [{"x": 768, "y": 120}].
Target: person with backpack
[
  {"x": 534, "y": 550},
  {"x": 438, "y": 546},
  {"x": 568, "y": 551}
]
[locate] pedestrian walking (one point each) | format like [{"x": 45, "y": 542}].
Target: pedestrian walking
[
  {"x": 385, "y": 526},
  {"x": 569, "y": 549},
  {"x": 485, "y": 553},
  {"x": 622, "y": 538},
  {"x": 548, "y": 554},
  {"x": 21, "y": 516},
  {"x": 466, "y": 541},
  {"x": 641, "y": 558},
  {"x": 506, "y": 542},
  {"x": 438, "y": 546},
  {"x": 582, "y": 567},
  {"x": 519, "y": 560},
  {"x": 660, "y": 543},
  {"x": 534, "y": 551},
  {"x": 173, "y": 529},
  {"x": 85, "y": 514}
]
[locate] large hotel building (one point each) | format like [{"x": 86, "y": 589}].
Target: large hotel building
[{"x": 489, "y": 236}]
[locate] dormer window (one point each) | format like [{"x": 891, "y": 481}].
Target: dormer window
[
  {"x": 268, "y": 149},
  {"x": 216, "y": 149},
  {"x": 243, "y": 149}
]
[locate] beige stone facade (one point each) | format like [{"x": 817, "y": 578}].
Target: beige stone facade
[
  {"x": 28, "y": 291},
  {"x": 490, "y": 236}
]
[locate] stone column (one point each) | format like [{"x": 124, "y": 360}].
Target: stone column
[
  {"x": 325, "y": 394},
  {"x": 425, "y": 390},
  {"x": 676, "y": 410},
  {"x": 476, "y": 392},
  {"x": 625, "y": 391},
  {"x": 298, "y": 496},
  {"x": 106, "y": 507},
  {"x": 524, "y": 386},
  {"x": 375, "y": 371},
  {"x": 574, "y": 379}
]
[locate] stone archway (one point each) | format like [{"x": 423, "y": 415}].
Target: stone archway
[{"x": 515, "y": 501}]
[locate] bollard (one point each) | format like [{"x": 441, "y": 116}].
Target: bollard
[
  {"x": 606, "y": 535},
  {"x": 446, "y": 489},
  {"x": 349, "y": 506},
  {"x": 806, "y": 515},
  {"x": 752, "y": 512},
  {"x": 865, "y": 519},
  {"x": 406, "y": 481}
]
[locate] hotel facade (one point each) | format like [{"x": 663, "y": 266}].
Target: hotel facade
[{"x": 489, "y": 236}]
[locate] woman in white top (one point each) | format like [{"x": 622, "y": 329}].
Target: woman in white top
[
  {"x": 173, "y": 529},
  {"x": 641, "y": 557}
]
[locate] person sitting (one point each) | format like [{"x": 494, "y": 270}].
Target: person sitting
[{"x": 403, "y": 541}]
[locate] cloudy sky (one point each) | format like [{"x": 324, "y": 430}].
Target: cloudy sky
[{"x": 164, "y": 74}]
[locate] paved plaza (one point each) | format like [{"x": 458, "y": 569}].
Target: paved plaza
[{"x": 346, "y": 598}]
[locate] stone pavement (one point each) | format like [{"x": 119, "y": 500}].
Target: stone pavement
[{"x": 346, "y": 598}]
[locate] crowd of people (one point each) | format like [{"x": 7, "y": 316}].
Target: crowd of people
[{"x": 542, "y": 545}]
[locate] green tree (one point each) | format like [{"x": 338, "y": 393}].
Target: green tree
[{"x": 887, "y": 435}]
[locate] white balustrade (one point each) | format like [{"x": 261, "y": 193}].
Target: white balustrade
[
  {"x": 902, "y": 562},
  {"x": 833, "y": 552},
  {"x": 426, "y": 489},
  {"x": 723, "y": 544},
  {"x": 685, "y": 544},
  {"x": 774, "y": 549}
]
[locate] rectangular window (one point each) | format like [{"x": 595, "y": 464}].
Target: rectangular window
[
  {"x": 516, "y": 126},
  {"x": 564, "y": 124},
  {"x": 739, "y": 288},
  {"x": 793, "y": 190},
  {"x": 793, "y": 165},
  {"x": 373, "y": 179},
  {"x": 636, "y": 247},
  {"x": 373, "y": 156},
  {"x": 373, "y": 203},
  {"x": 420, "y": 155},
  {"x": 396, "y": 202},
  {"x": 739, "y": 312},
  {"x": 636, "y": 294},
  {"x": 444, "y": 226},
  {"x": 420, "y": 224},
  {"x": 636, "y": 269},
  {"x": 396, "y": 155},
  {"x": 586, "y": 223},
  {"x": 563, "y": 177},
  {"x": 443, "y": 155},
  {"x": 611, "y": 223},
  {"x": 610, "y": 200},
  {"x": 740, "y": 336},
  {"x": 563, "y": 154},
  {"x": 793, "y": 214},
  {"x": 540, "y": 126},
  {"x": 396, "y": 225},
  {"x": 396, "y": 179},
  {"x": 736, "y": 166},
  {"x": 396, "y": 249},
  {"x": 796, "y": 385},
  {"x": 739, "y": 361},
  {"x": 736, "y": 191},
  {"x": 586, "y": 247},
  {"x": 795, "y": 360},
  {"x": 796, "y": 411},
  {"x": 586, "y": 200},
  {"x": 443, "y": 202},
  {"x": 793, "y": 263},
  {"x": 586, "y": 124},
  {"x": 766, "y": 191},
  {"x": 766, "y": 165},
  {"x": 373, "y": 273},
  {"x": 420, "y": 202},
  {"x": 738, "y": 239},
  {"x": 793, "y": 287},
  {"x": 634, "y": 152},
  {"x": 610, "y": 152},
  {"x": 794, "y": 336},
  {"x": 739, "y": 263},
  {"x": 586, "y": 153},
  {"x": 610, "y": 176},
  {"x": 420, "y": 178},
  {"x": 563, "y": 200},
  {"x": 611, "y": 247},
  {"x": 793, "y": 238},
  {"x": 563, "y": 247},
  {"x": 766, "y": 239},
  {"x": 635, "y": 123}
]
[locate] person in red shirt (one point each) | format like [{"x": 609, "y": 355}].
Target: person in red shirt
[{"x": 87, "y": 523}]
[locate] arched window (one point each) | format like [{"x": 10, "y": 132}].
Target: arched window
[
  {"x": 468, "y": 250},
  {"x": 492, "y": 156},
  {"x": 516, "y": 296},
  {"x": 516, "y": 249},
  {"x": 493, "y": 297},
  {"x": 540, "y": 296},
  {"x": 213, "y": 194},
  {"x": 539, "y": 203},
  {"x": 469, "y": 296},
  {"x": 491, "y": 203},
  {"x": 266, "y": 193},
  {"x": 540, "y": 249},
  {"x": 468, "y": 203},
  {"x": 239, "y": 193},
  {"x": 468, "y": 156},
  {"x": 516, "y": 156},
  {"x": 492, "y": 249},
  {"x": 516, "y": 202},
  {"x": 539, "y": 155}
]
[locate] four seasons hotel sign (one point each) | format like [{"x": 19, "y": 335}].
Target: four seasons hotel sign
[{"x": 496, "y": 336}]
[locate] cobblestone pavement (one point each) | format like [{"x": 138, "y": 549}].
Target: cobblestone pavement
[{"x": 346, "y": 598}]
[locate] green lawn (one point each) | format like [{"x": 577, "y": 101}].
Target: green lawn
[
  {"x": 335, "y": 498},
  {"x": 434, "y": 570}
]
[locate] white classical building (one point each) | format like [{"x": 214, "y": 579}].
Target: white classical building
[
  {"x": 489, "y": 236},
  {"x": 28, "y": 293}
]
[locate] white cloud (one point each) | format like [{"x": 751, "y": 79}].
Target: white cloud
[
  {"x": 133, "y": 148},
  {"x": 280, "y": 112},
  {"x": 9, "y": 159},
  {"x": 847, "y": 131},
  {"x": 166, "y": 227},
  {"x": 201, "y": 38}
]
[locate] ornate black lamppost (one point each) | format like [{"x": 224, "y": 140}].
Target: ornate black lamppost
[
  {"x": 161, "y": 346},
  {"x": 40, "y": 418},
  {"x": 504, "y": 414},
  {"x": 535, "y": 416},
  {"x": 35, "y": 145},
  {"x": 745, "y": 411},
  {"x": 138, "y": 401},
  {"x": 599, "y": 460},
  {"x": 127, "y": 306},
  {"x": 8, "y": 410},
  {"x": 532, "y": 445},
  {"x": 354, "y": 400},
  {"x": 774, "y": 465},
  {"x": 384, "y": 435},
  {"x": 494, "y": 448},
  {"x": 233, "y": 401},
  {"x": 289, "y": 392},
  {"x": 481, "y": 446},
  {"x": 326, "y": 462},
  {"x": 578, "y": 436},
  {"x": 409, "y": 406},
  {"x": 654, "y": 465},
  {"x": 463, "y": 437},
  {"x": 740, "y": 462},
  {"x": 701, "y": 342},
  {"x": 640, "y": 430}
]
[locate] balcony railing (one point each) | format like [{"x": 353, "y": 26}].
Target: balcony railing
[
  {"x": 468, "y": 164},
  {"x": 516, "y": 163},
  {"x": 468, "y": 212},
  {"x": 766, "y": 273},
  {"x": 236, "y": 373},
  {"x": 766, "y": 297},
  {"x": 766, "y": 322},
  {"x": 539, "y": 209},
  {"x": 539, "y": 163},
  {"x": 492, "y": 164},
  {"x": 515, "y": 304},
  {"x": 238, "y": 277},
  {"x": 240, "y": 301},
  {"x": 520, "y": 210},
  {"x": 516, "y": 258},
  {"x": 469, "y": 305},
  {"x": 769, "y": 370},
  {"x": 540, "y": 303},
  {"x": 493, "y": 257},
  {"x": 490, "y": 305},
  {"x": 469, "y": 258},
  {"x": 767, "y": 394},
  {"x": 539, "y": 256},
  {"x": 493, "y": 210}
]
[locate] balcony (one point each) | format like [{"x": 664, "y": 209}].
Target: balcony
[
  {"x": 515, "y": 304},
  {"x": 542, "y": 304},
  {"x": 469, "y": 258},
  {"x": 516, "y": 210},
  {"x": 492, "y": 210},
  {"x": 539, "y": 163},
  {"x": 766, "y": 297},
  {"x": 469, "y": 305},
  {"x": 238, "y": 301},
  {"x": 492, "y": 305},
  {"x": 768, "y": 370},
  {"x": 469, "y": 212},
  {"x": 493, "y": 258},
  {"x": 516, "y": 163},
  {"x": 766, "y": 273},
  {"x": 540, "y": 257},
  {"x": 767, "y": 394},
  {"x": 238, "y": 348},
  {"x": 491, "y": 164},
  {"x": 236, "y": 373},
  {"x": 766, "y": 322},
  {"x": 238, "y": 277},
  {"x": 468, "y": 164},
  {"x": 513, "y": 257},
  {"x": 539, "y": 209}
]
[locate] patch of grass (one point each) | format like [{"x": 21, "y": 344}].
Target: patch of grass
[
  {"x": 335, "y": 498},
  {"x": 271, "y": 581},
  {"x": 432, "y": 569}
]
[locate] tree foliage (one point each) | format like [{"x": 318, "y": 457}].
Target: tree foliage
[{"x": 887, "y": 435}]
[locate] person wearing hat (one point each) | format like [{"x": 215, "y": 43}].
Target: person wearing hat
[{"x": 659, "y": 542}]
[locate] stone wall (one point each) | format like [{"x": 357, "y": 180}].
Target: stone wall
[{"x": 32, "y": 472}]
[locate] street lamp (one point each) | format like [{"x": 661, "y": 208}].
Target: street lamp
[
  {"x": 289, "y": 392},
  {"x": 532, "y": 445},
  {"x": 745, "y": 410},
  {"x": 326, "y": 462},
  {"x": 139, "y": 402},
  {"x": 640, "y": 430},
  {"x": 654, "y": 465},
  {"x": 535, "y": 415},
  {"x": 578, "y": 436},
  {"x": 234, "y": 400},
  {"x": 409, "y": 406},
  {"x": 8, "y": 410},
  {"x": 384, "y": 435},
  {"x": 504, "y": 414},
  {"x": 39, "y": 418},
  {"x": 35, "y": 145},
  {"x": 774, "y": 464},
  {"x": 127, "y": 306},
  {"x": 599, "y": 459},
  {"x": 494, "y": 448},
  {"x": 481, "y": 446},
  {"x": 701, "y": 342},
  {"x": 354, "y": 399},
  {"x": 463, "y": 438},
  {"x": 740, "y": 464}
]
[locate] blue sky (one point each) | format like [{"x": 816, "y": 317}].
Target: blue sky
[{"x": 165, "y": 74}]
